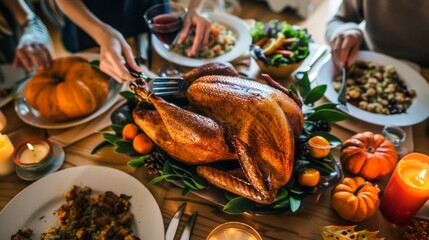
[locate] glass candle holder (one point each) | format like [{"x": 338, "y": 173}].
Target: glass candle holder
[
  {"x": 407, "y": 189},
  {"x": 396, "y": 136},
  {"x": 234, "y": 231},
  {"x": 33, "y": 154}
]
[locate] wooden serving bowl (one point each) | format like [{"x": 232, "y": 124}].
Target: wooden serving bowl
[{"x": 280, "y": 71}]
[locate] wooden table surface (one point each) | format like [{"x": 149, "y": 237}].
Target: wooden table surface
[{"x": 294, "y": 226}]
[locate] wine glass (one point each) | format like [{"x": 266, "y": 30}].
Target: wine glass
[{"x": 165, "y": 21}]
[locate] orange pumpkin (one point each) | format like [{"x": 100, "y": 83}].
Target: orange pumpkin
[
  {"x": 70, "y": 88},
  {"x": 368, "y": 155},
  {"x": 355, "y": 199}
]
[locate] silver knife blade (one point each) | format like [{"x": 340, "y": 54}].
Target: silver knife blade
[
  {"x": 174, "y": 223},
  {"x": 186, "y": 235}
]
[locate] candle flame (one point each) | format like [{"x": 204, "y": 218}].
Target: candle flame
[
  {"x": 30, "y": 147},
  {"x": 422, "y": 174}
]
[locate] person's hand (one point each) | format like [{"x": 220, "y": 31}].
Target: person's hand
[
  {"x": 29, "y": 54},
  {"x": 202, "y": 31},
  {"x": 32, "y": 49},
  {"x": 115, "y": 55},
  {"x": 345, "y": 47}
]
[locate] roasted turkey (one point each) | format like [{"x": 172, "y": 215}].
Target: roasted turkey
[{"x": 228, "y": 118}]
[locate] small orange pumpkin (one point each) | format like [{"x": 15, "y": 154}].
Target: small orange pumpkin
[
  {"x": 70, "y": 88},
  {"x": 355, "y": 199},
  {"x": 368, "y": 155}
]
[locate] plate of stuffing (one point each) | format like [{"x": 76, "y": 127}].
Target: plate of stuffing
[
  {"x": 91, "y": 202},
  {"x": 229, "y": 39},
  {"x": 380, "y": 90}
]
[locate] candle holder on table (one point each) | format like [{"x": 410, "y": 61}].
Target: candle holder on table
[
  {"x": 407, "y": 190},
  {"x": 234, "y": 231},
  {"x": 37, "y": 157},
  {"x": 397, "y": 137},
  {"x": 6, "y": 151}
]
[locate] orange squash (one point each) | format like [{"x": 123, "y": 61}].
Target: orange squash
[
  {"x": 355, "y": 199},
  {"x": 368, "y": 155},
  {"x": 70, "y": 88}
]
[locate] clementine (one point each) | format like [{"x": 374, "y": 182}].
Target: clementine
[
  {"x": 319, "y": 147},
  {"x": 142, "y": 144},
  {"x": 129, "y": 131},
  {"x": 309, "y": 177}
]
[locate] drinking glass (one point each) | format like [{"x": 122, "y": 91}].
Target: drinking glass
[{"x": 165, "y": 21}]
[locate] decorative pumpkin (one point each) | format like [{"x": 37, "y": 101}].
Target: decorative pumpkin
[
  {"x": 70, "y": 88},
  {"x": 355, "y": 199},
  {"x": 368, "y": 155}
]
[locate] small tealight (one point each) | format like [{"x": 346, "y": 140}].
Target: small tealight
[{"x": 33, "y": 154}]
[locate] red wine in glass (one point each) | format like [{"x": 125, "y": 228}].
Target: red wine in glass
[
  {"x": 166, "y": 27},
  {"x": 165, "y": 20}
]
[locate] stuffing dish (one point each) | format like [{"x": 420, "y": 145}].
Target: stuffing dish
[
  {"x": 376, "y": 88},
  {"x": 221, "y": 41},
  {"x": 89, "y": 216}
]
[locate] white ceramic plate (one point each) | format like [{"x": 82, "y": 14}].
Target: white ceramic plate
[
  {"x": 36, "y": 205},
  {"x": 234, "y": 23},
  {"x": 32, "y": 117},
  {"x": 9, "y": 76},
  {"x": 417, "y": 112}
]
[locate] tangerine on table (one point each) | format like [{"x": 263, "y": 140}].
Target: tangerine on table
[
  {"x": 142, "y": 144},
  {"x": 319, "y": 147},
  {"x": 129, "y": 131},
  {"x": 309, "y": 177}
]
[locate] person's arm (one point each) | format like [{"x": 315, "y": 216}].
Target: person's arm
[
  {"x": 115, "y": 52},
  {"x": 202, "y": 27},
  {"x": 33, "y": 44},
  {"x": 343, "y": 32}
]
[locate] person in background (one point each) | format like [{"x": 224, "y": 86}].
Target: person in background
[
  {"x": 107, "y": 23},
  {"x": 24, "y": 39},
  {"x": 395, "y": 28}
]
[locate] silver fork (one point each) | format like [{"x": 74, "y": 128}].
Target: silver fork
[
  {"x": 342, "y": 100},
  {"x": 163, "y": 86}
]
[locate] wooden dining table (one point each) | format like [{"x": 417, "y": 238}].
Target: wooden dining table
[{"x": 299, "y": 225}]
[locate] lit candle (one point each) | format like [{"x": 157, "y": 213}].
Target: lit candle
[
  {"x": 3, "y": 121},
  {"x": 6, "y": 151},
  {"x": 32, "y": 154},
  {"x": 407, "y": 190},
  {"x": 234, "y": 231}
]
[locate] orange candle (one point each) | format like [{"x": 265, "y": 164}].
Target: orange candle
[{"x": 407, "y": 190}]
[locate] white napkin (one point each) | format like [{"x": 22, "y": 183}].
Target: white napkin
[{"x": 65, "y": 137}]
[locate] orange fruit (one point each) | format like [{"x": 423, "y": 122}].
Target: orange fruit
[
  {"x": 310, "y": 177},
  {"x": 142, "y": 144},
  {"x": 319, "y": 147},
  {"x": 129, "y": 131}
]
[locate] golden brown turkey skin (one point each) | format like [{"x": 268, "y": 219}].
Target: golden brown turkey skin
[
  {"x": 260, "y": 116},
  {"x": 186, "y": 136},
  {"x": 229, "y": 117}
]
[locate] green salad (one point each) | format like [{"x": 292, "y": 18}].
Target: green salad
[{"x": 279, "y": 43}]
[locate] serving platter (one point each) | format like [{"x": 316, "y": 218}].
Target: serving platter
[
  {"x": 417, "y": 112},
  {"x": 217, "y": 196},
  {"x": 32, "y": 117},
  {"x": 234, "y": 23},
  {"x": 36, "y": 205}
]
